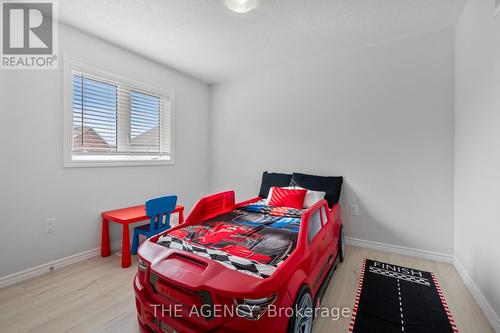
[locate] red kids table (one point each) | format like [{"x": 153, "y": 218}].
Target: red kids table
[{"x": 125, "y": 217}]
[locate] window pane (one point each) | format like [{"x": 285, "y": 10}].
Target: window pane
[
  {"x": 314, "y": 225},
  {"x": 94, "y": 115},
  {"x": 145, "y": 121},
  {"x": 324, "y": 215}
]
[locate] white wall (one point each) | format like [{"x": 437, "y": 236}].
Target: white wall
[
  {"x": 34, "y": 185},
  {"x": 477, "y": 150},
  {"x": 381, "y": 116}
]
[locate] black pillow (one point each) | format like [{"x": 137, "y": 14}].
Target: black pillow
[
  {"x": 330, "y": 185},
  {"x": 273, "y": 179}
]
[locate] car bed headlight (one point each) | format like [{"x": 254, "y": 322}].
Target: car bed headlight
[
  {"x": 142, "y": 268},
  {"x": 143, "y": 265},
  {"x": 253, "y": 309}
]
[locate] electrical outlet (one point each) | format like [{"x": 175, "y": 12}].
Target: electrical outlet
[
  {"x": 50, "y": 225},
  {"x": 354, "y": 210}
]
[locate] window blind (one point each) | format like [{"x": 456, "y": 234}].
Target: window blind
[
  {"x": 114, "y": 118},
  {"x": 145, "y": 121},
  {"x": 94, "y": 115}
]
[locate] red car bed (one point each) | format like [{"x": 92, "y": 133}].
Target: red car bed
[{"x": 238, "y": 267}]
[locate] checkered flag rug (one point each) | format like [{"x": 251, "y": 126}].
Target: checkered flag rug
[
  {"x": 392, "y": 298},
  {"x": 243, "y": 265},
  {"x": 396, "y": 275}
]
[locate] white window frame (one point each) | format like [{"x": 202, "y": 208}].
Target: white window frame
[{"x": 101, "y": 160}]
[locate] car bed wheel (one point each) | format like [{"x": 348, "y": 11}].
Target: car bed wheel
[
  {"x": 302, "y": 319},
  {"x": 341, "y": 244}
]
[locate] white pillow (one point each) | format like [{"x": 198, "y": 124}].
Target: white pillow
[{"x": 311, "y": 196}]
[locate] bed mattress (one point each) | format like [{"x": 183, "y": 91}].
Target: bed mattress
[{"x": 253, "y": 239}]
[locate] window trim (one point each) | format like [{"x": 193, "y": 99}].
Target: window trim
[{"x": 96, "y": 160}]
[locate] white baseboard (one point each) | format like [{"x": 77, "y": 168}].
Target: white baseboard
[
  {"x": 478, "y": 296},
  {"x": 17, "y": 277},
  {"x": 46, "y": 268},
  {"x": 407, "y": 251}
]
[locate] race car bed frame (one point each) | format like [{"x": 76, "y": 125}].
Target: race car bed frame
[{"x": 190, "y": 276}]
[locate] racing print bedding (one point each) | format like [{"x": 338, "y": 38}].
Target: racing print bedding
[
  {"x": 253, "y": 239},
  {"x": 261, "y": 207}
]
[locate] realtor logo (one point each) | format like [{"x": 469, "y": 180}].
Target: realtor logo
[{"x": 28, "y": 35}]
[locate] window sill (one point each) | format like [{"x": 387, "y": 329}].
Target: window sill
[{"x": 82, "y": 161}]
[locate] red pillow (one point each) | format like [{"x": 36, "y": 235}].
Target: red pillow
[{"x": 293, "y": 198}]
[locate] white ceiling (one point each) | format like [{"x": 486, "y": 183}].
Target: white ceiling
[{"x": 206, "y": 40}]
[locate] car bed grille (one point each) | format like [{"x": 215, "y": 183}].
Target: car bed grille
[{"x": 184, "y": 296}]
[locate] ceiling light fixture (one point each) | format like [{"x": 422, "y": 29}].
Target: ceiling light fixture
[{"x": 241, "y": 6}]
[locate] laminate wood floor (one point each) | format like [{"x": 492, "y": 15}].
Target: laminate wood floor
[{"x": 96, "y": 295}]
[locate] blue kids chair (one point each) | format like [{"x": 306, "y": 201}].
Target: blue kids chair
[{"x": 158, "y": 209}]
